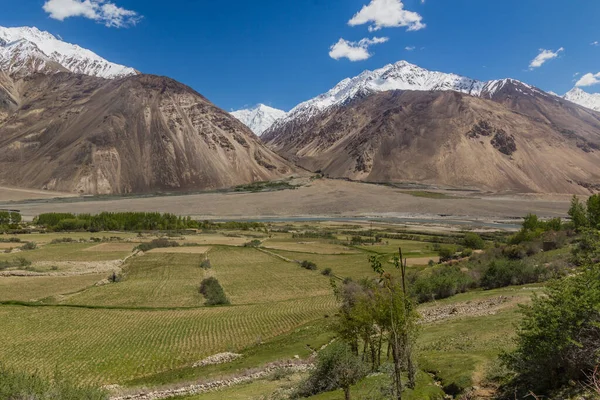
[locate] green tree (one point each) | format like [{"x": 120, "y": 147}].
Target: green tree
[
  {"x": 473, "y": 241},
  {"x": 593, "y": 211},
  {"x": 577, "y": 213},
  {"x": 558, "y": 340}
]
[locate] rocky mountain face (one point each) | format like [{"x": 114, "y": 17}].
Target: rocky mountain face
[
  {"x": 141, "y": 133},
  {"x": 405, "y": 124},
  {"x": 259, "y": 118},
  {"x": 28, "y": 50},
  {"x": 588, "y": 100},
  {"x": 65, "y": 126}
]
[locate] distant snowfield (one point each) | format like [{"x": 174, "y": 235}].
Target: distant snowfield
[
  {"x": 31, "y": 48},
  {"x": 259, "y": 118}
]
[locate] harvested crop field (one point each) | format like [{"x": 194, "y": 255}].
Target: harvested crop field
[
  {"x": 112, "y": 247},
  {"x": 181, "y": 250},
  {"x": 308, "y": 246}
]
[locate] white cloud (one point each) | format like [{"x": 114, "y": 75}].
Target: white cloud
[
  {"x": 409, "y": 48},
  {"x": 576, "y": 74},
  {"x": 589, "y": 80},
  {"x": 387, "y": 14},
  {"x": 545, "y": 55},
  {"x": 354, "y": 51},
  {"x": 596, "y": 43},
  {"x": 102, "y": 11}
]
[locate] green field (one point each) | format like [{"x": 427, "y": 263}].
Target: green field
[{"x": 149, "y": 328}]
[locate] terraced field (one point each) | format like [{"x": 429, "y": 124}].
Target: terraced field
[
  {"x": 250, "y": 276},
  {"x": 67, "y": 252},
  {"x": 151, "y": 280},
  {"x": 111, "y": 346},
  {"x": 34, "y": 288}
]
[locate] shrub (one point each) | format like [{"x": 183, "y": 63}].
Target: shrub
[
  {"x": 514, "y": 252},
  {"x": 157, "y": 243},
  {"x": 558, "y": 340},
  {"x": 337, "y": 367},
  {"x": 327, "y": 272},
  {"x": 63, "y": 240},
  {"x": 29, "y": 246},
  {"x": 446, "y": 253},
  {"x": 205, "y": 264},
  {"x": 466, "y": 253},
  {"x": 308, "y": 265},
  {"x": 502, "y": 273},
  {"x": 253, "y": 243},
  {"x": 473, "y": 241},
  {"x": 442, "y": 282},
  {"x": 213, "y": 292}
]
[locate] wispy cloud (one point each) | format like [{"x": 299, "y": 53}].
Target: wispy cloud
[
  {"x": 354, "y": 51},
  {"x": 409, "y": 48},
  {"x": 102, "y": 11},
  {"x": 545, "y": 55},
  {"x": 596, "y": 43},
  {"x": 387, "y": 14},
  {"x": 589, "y": 79}
]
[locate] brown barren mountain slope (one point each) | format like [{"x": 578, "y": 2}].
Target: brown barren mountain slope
[
  {"x": 447, "y": 138},
  {"x": 76, "y": 133}
]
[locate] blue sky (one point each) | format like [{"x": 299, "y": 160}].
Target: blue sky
[{"x": 238, "y": 53}]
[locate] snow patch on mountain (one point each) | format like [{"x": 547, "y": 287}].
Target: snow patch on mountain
[
  {"x": 259, "y": 118},
  {"x": 28, "y": 50},
  {"x": 584, "y": 99}
]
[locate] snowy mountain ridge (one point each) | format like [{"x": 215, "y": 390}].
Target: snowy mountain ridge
[
  {"x": 27, "y": 50},
  {"x": 259, "y": 118},
  {"x": 399, "y": 76},
  {"x": 584, "y": 99}
]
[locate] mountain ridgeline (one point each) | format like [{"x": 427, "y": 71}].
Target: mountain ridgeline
[
  {"x": 406, "y": 124},
  {"x": 65, "y": 127}
]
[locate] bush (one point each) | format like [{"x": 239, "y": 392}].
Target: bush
[
  {"x": 466, "y": 253},
  {"x": 442, "y": 282},
  {"x": 63, "y": 240},
  {"x": 157, "y": 243},
  {"x": 205, "y": 264},
  {"x": 337, "y": 367},
  {"x": 558, "y": 341},
  {"x": 18, "y": 262},
  {"x": 327, "y": 272},
  {"x": 473, "y": 241},
  {"x": 253, "y": 243},
  {"x": 308, "y": 265},
  {"x": 29, "y": 246},
  {"x": 502, "y": 273},
  {"x": 446, "y": 253},
  {"x": 212, "y": 291}
]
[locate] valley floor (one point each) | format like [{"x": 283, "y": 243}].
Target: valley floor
[{"x": 319, "y": 198}]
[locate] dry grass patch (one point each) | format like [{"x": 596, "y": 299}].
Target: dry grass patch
[
  {"x": 307, "y": 246},
  {"x": 217, "y": 239},
  {"x": 181, "y": 250},
  {"x": 111, "y": 247}
]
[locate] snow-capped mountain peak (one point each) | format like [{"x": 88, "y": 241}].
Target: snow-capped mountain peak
[
  {"x": 401, "y": 75},
  {"x": 39, "y": 50},
  {"x": 259, "y": 118},
  {"x": 584, "y": 99}
]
